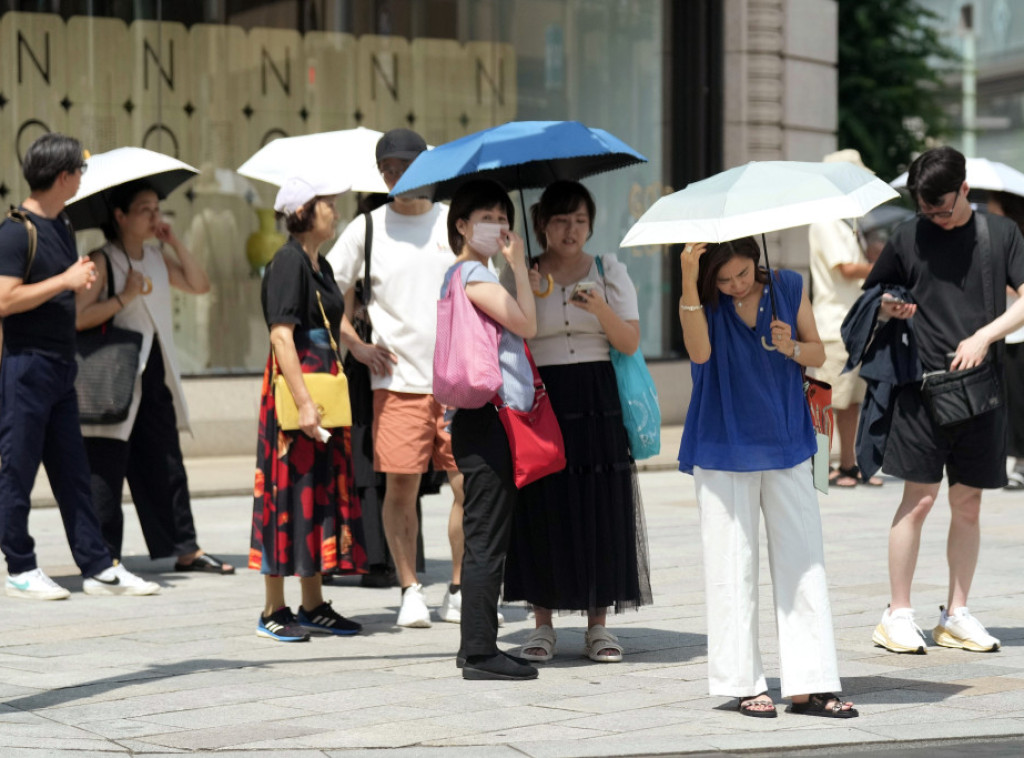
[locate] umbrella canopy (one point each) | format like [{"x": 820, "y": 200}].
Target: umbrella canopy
[
  {"x": 757, "y": 198},
  {"x": 984, "y": 174},
  {"x": 520, "y": 155},
  {"x": 90, "y": 207},
  {"x": 348, "y": 153}
]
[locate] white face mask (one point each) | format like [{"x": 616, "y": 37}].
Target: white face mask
[{"x": 486, "y": 238}]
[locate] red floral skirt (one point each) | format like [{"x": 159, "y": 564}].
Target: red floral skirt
[{"x": 306, "y": 516}]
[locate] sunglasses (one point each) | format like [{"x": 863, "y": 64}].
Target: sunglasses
[{"x": 932, "y": 215}]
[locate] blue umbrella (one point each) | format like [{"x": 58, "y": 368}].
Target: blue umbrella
[{"x": 520, "y": 155}]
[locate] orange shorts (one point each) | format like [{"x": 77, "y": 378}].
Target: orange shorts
[{"x": 408, "y": 433}]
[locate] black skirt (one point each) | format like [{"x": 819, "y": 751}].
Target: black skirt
[{"x": 578, "y": 537}]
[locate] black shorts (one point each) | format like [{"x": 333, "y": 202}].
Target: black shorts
[{"x": 973, "y": 453}]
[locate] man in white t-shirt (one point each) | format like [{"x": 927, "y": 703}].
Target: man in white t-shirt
[
  {"x": 838, "y": 269},
  {"x": 409, "y": 258}
]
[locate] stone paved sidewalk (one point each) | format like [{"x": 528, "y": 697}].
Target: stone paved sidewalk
[{"x": 184, "y": 672}]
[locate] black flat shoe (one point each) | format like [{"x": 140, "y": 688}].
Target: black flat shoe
[
  {"x": 206, "y": 563},
  {"x": 460, "y": 659},
  {"x": 745, "y": 707},
  {"x": 497, "y": 666}
]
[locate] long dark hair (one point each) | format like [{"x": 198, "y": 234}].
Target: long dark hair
[{"x": 716, "y": 256}]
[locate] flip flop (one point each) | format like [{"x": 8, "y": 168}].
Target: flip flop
[{"x": 205, "y": 563}]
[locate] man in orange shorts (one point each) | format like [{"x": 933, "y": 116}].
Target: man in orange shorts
[{"x": 410, "y": 256}]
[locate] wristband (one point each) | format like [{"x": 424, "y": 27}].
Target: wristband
[{"x": 690, "y": 307}]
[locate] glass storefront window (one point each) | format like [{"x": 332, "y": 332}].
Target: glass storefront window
[{"x": 211, "y": 81}]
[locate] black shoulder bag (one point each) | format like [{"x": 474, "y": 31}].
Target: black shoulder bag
[
  {"x": 108, "y": 362},
  {"x": 954, "y": 397}
]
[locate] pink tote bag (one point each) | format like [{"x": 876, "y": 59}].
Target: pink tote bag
[{"x": 466, "y": 369}]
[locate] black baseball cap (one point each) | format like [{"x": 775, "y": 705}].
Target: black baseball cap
[{"x": 400, "y": 143}]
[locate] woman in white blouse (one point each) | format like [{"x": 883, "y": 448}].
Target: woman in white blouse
[
  {"x": 578, "y": 538},
  {"x": 144, "y": 448}
]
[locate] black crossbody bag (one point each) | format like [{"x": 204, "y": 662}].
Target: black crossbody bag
[{"x": 957, "y": 396}]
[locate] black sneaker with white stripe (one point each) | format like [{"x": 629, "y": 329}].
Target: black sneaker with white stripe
[
  {"x": 281, "y": 626},
  {"x": 323, "y": 618}
]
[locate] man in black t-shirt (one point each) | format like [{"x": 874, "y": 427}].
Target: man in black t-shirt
[
  {"x": 38, "y": 404},
  {"x": 938, "y": 259}
]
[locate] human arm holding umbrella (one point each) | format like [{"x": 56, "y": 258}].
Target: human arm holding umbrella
[
  {"x": 807, "y": 349},
  {"x": 691, "y": 313}
]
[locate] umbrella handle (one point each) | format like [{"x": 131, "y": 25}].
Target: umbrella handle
[
  {"x": 766, "y": 346},
  {"x": 544, "y": 293}
]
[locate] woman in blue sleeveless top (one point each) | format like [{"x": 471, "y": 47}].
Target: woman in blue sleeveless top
[{"x": 748, "y": 442}]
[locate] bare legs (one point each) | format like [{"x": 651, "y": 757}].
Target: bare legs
[
  {"x": 312, "y": 592},
  {"x": 961, "y": 545},
  {"x": 401, "y": 525}
]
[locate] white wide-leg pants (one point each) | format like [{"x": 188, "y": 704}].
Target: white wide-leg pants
[{"x": 730, "y": 506}]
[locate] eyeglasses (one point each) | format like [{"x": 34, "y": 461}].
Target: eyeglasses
[
  {"x": 83, "y": 168},
  {"x": 943, "y": 215}
]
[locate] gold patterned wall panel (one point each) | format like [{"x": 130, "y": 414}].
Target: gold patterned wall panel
[
  {"x": 493, "y": 96},
  {"x": 219, "y": 94},
  {"x": 383, "y": 82},
  {"x": 275, "y": 90},
  {"x": 330, "y": 65},
  {"x": 440, "y": 112},
  {"x": 161, "y": 77},
  {"x": 99, "y": 81},
  {"x": 33, "y": 90}
]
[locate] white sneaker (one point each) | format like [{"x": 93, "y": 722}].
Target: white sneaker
[
  {"x": 451, "y": 609},
  {"x": 414, "y": 612},
  {"x": 898, "y": 632},
  {"x": 961, "y": 630},
  {"x": 36, "y": 585},
  {"x": 117, "y": 580}
]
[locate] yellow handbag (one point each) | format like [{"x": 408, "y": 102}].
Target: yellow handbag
[{"x": 329, "y": 392}]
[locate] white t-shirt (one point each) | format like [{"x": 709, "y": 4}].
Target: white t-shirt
[
  {"x": 833, "y": 243},
  {"x": 408, "y": 262}
]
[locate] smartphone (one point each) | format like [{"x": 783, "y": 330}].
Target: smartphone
[
  {"x": 887, "y": 298},
  {"x": 581, "y": 287}
]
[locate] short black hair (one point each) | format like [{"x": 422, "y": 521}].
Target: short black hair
[
  {"x": 716, "y": 256},
  {"x": 472, "y": 196},
  {"x": 48, "y": 157},
  {"x": 121, "y": 197},
  {"x": 935, "y": 173},
  {"x": 559, "y": 198}
]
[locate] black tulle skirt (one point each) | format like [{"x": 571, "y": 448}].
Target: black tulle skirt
[{"x": 578, "y": 537}]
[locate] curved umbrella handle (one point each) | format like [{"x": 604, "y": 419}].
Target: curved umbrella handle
[
  {"x": 766, "y": 346},
  {"x": 544, "y": 293}
]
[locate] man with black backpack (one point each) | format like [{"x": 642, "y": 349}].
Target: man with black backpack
[
  {"x": 40, "y": 272},
  {"x": 956, "y": 265}
]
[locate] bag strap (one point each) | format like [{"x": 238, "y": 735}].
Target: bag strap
[
  {"x": 21, "y": 217},
  {"x": 330, "y": 334},
  {"x": 987, "y": 275}
]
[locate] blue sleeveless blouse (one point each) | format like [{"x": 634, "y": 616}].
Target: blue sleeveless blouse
[{"x": 748, "y": 411}]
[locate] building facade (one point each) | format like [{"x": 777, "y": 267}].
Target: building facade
[{"x": 695, "y": 85}]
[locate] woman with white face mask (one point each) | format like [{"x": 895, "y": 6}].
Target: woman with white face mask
[
  {"x": 479, "y": 227},
  {"x": 578, "y": 537}
]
